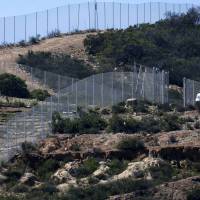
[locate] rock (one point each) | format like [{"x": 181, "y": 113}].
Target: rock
[
  {"x": 63, "y": 188},
  {"x": 28, "y": 179},
  {"x": 101, "y": 171},
  {"x": 139, "y": 169},
  {"x": 50, "y": 145},
  {"x": 67, "y": 173},
  {"x": 62, "y": 176},
  {"x": 2, "y": 178}
]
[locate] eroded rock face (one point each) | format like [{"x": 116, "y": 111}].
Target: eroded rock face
[
  {"x": 28, "y": 179},
  {"x": 138, "y": 169},
  {"x": 2, "y": 178},
  {"x": 101, "y": 171},
  {"x": 67, "y": 173},
  {"x": 49, "y": 145}
]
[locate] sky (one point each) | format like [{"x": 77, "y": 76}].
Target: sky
[{"x": 21, "y": 7}]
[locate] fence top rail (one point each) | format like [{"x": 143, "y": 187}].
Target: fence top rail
[{"x": 101, "y": 2}]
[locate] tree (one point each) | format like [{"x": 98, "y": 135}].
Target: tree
[{"x": 13, "y": 86}]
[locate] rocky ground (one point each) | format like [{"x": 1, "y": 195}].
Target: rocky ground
[{"x": 95, "y": 166}]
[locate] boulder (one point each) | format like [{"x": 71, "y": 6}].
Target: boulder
[
  {"x": 28, "y": 179},
  {"x": 139, "y": 169},
  {"x": 63, "y": 188},
  {"x": 50, "y": 145},
  {"x": 2, "y": 178}
]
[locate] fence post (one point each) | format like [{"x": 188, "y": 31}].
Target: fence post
[
  {"x": 163, "y": 87},
  {"x": 58, "y": 92},
  {"x": 36, "y": 23},
  {"x": 128, "y": 14},
  {"x": 179, "y": 9},
  {"x": 47, "y": 22},
  {"x": 25, "y": 27},
  {"x": 159, "y": 10},
  {"x": 154, "y": 71},
  {"x": 93, "y": 90},
  {"x": 102, "y": 89},
  {"x": 86, "y": 93},
  {"x": 57, "y": 17},
  {"x": 76, "y": 85},
  {"x": 193, "y": 92},
  {"x": 69, "y": 17},
  {"x": 150, "y": 12},
  {"x": 144, "y": 12},
  {"x": 184, "y": 92},
  {"x": 122, "y": 79},
  {"x": 120, "y": 15},
  {"x": 78, "y": 16},
  {"x": 104, "y": 8},
  {"x": 89, "y": 15},
  {"x": 4, "y": 29},
  {"x": 14, "y": 28},
  {"x": 112, "y": 86},
  {"x": 137, "y": 14},
  {"x": 113, "y": 14}
]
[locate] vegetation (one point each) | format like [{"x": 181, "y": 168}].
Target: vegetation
[
  {"x": 13, "y": 86},
  {"x": 39, "y": 94},
  {"x": 103, "y": 191},
  {"x": 87, "y": 168},
  {"x": 169, "y": 43},
  {"x": 194, "y": 195},
  {"x": 88, "y": 123},
  {"x": 57, "y": 63},
  {"x": 131, "y": 145}
]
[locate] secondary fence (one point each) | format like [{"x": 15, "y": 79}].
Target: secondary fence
[
  {"x": 84, "y": 16},
  {"x": 190, "y": 89},
  {"x": 99, "y": 90}
]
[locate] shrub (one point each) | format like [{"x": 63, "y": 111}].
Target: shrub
[
  {"x": 39, "y": 94},
  {"x": 46, "y": 168},
  {"x": 170, "y": 122},
  {"x": 58, "y": 63},
  {"x": 131, "y": 144},
  {"x": 88, "y": 167},
  {"x": 194, "y": 195},
  {"x": 119, "y": 108},
  {"x": 104, "y": 191},
  {"x": 12, "y": 86},
  {"x": 116, "y": 124},
  {"x": 34, "y": 40},
  {"x": 116, "y": 166},
  {"x": 172, "y": 139},
  {"x": 87, "y": 123}
]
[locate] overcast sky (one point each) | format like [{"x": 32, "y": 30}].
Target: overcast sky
[{"x": 18, "y": 7}]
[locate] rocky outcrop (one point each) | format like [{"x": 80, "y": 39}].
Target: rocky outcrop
[
  {"x": 139, "y": 169},
  {"x": 28, "y": 179}
]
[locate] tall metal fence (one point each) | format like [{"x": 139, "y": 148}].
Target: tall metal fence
[
  {"x": 190, "y": 89},
  {"x": 84, "y": 16},
  {"x": 99, "y": 90}
]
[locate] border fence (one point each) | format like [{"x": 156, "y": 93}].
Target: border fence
[
  {"x": 190, "y": 89},
  {"x": 84, "y": 16},
  {"x": 99, "y": 90}
]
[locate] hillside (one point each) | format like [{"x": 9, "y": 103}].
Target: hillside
[{"x": 139, "y": 162}]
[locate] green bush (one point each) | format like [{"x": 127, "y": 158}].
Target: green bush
[
  {"x": 39, "y": 94},
  {"x": 58, "y": 63},
  {"x": 47, "y": 168},
  {"x": 172, "y": 43},
  {"x": 116, "y": 166},
  {"x": 12, "y": 86},
  {"x": 34, "y": 40},
  {"x": 131, "y": 144},
  {"x": 119, "y": 108},
  {"x": 87, "y": 168},
  {"x": 104, "y": 191},
  {"x": 194, "y": 195},
  {"x": 87, "y": 123}
]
